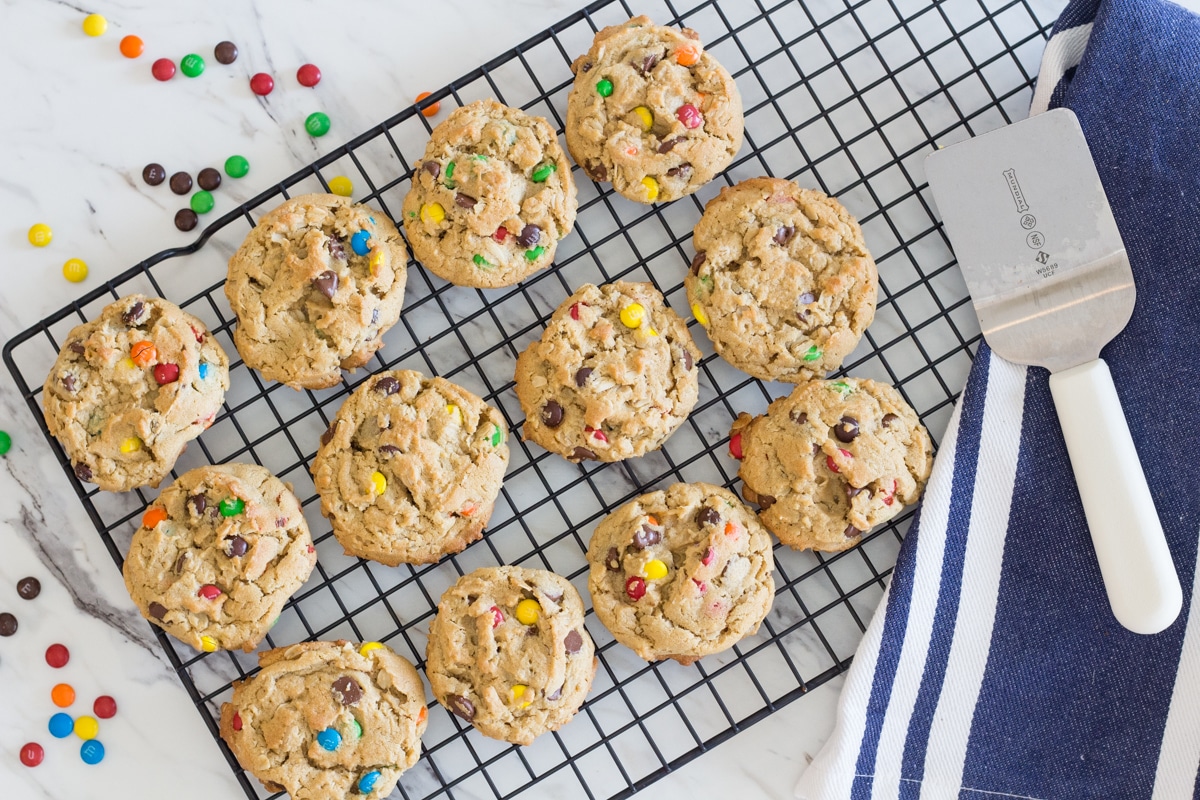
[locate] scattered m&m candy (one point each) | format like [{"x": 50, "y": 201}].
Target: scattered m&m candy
[
  {"x": 32, "y": 753},
  {"x": 95, "y": 24},
  {"x": 341, "y": 186},
  {"x": 61, "y": 725},
  {"x": 5, "y": 442},
  {"x": 191, "y": 65},
  {"x": 208, "y": 179},
  {"x": 29, "y": 588},
  {"x": 154, "y": 174},
  {"x": 262, "y": 84},
  {"x": 225, "y": 52},
  {"x": 317, "y": 124},
  {"x": 202, "y": 202},
  {"x": 40, "y": 235},
  {"x": 75, "y": 270},
  {"x": 431, "y": 109},
  {"x": 163, "y": 69},
  {"x": 92, "y": 752},
  {"x": 308, "y": 75},
  {"x": 237, "y": 166},
  {"x": 8, "y": 624},
  {"x": 57, "y": 656},
  {"x": 186, "y": 219},
  {"x": 62, "y": 695},
  {"x": 105, "y": 707},
  {"x": 132, "y": 46},
  {"x": 87, "y": 728}
]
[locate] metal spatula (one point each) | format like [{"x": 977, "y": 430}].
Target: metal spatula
[{"x": 1051, "y": 283}]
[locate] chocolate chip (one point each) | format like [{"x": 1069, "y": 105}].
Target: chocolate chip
[
  {"x": 582, "y": 375},
  {"x": 800, "y": 418},
  {"x": 337, "y": 247},
  {"x": 683, "y": 171},
  {"x": 852, "y": 531},
  {"x": 388, "y": 449},
  {"x": 587, "y": 66},
  {"x": 552, "y": 414},
  {"x": 76, "y": 348},
  {"x": 225, "y": 52},
  {"x": 852, "y": 491},
  {"x": 68, "y": 382},
  {"x": 461, "y": 706},
  {"x": 83, "y": 472},
  {"x": 708, "y": 516},
  {"x": 237, "y": 546},
  {"x": 198, "y": 502},
  {"x": 386, "y": 386},
  {"x": 612, "y": 560},
  {"x": 158, "y": 610},
  {"x": 134, "y": 314},
  {"x": 464, "y": 200},
  {"x": 557, "y": 693},
  {"x": 846, "y": 429},
  {"x": 209, "y": 179},
  {"x": 597, "y": 172},
  {"x": 180, "y": 563},
  {"x": 181, "y": 183},
  {"x": 646, "y": 536},
  {"x": 807, "y": 298},
  {"x": 327, "y": 436},
  {"x": 888, "y": 419},
  {"x": 29, "y": 588},
  {"x": 668, "y": 144},
  {"x": 347, "y": 690},
  {"x": 573, "y": 642},
  {"x": 688, "y": 361},
  {"x": 154, "y": 174},
  {"x": 816, "y": 448},
  {"x": 432, "y": 167},
  {"x": 647, "y": 64},
  {"x": 581, "y": 453},
  {"x": 327, "y": 283},
  {"x": 529, "y": 236},
  {"x": 765, "y": 501},
  {"x": 186, "y": 219},
  {"x": 784, "y": 234},
  {"x": 698, "y": 261}
]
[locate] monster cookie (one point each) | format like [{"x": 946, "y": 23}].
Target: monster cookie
[
  {"x": 327, "y": 720},
  {"x": 410, "y": 467},
  {"x": 314, "y": 286},
  {"x": 681, "y": 573},
  {"x": 612, "y": 377},
  {"x": 782, "y": 281},
  {"x": 508, "y": 652},
  {"x": 831, "y": 461},
  {"x": 217, "y": 556},
  {"x": 492, "y": 197},
  {"x": 652, "y": 111},
  {"x": 131, "y": 388}
]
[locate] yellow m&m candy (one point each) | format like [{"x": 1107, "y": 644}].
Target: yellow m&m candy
[
  {"x": 518, "y": 691},
  {"x": 455, "y": 412},
  {"x": 651, "y": 188},
  {"x": 95, "y": 24},
  {"x": 131, "y": 445},
  {"x": 369, "y": 647},
  {"x": 433, "y": 213},
  {"x": 40, "y": 235},
  {"x": 75, "y": 270},
  {"x": 208, "y": 644},
  {"x": 528, "y": 611},
  {"x": 341, "y": 186},
  {"x": 378, "y": 482},
  {"x": 645, "y": 116},
  {"x": 699, "y": 314},
  {"x": 632, "y": 315},
  {"x": 87, "y": 728},
  {"x": 655, "y": 570}
]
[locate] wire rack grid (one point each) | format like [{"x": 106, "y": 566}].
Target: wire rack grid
[{"x": 848, "y": 98}]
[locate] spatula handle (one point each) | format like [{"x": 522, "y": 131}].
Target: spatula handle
[{"x": 1139, "y": 575}]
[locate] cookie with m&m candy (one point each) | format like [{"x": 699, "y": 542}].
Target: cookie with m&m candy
[{"x": 217, "y": 556}]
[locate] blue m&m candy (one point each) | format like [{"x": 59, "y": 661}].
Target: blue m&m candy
[
  {"x": 367, "y": 782},
  {"x": 61, "y": 726},
  {"x": 203, "y": 369},
  {"x": 359, "y": 242},
  {"x": 330, "y": 739},
  {"x": 92, "y": 752}
]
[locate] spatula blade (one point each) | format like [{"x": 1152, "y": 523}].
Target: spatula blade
[{"x": 1036, "y": 240}]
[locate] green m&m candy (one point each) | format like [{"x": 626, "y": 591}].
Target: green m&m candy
[
  {"x": 317, "y": 123},
  {"x": 202, "y": 202},
  {"x": 237, "y": 166},
  {"x": 231, "y": 506},
  {"x": 191, "y": 65},
  {"x": 604, "y": 88}
]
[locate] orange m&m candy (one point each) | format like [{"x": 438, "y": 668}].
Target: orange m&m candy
[
  {"x": 686, "y": 55},
  {"x": 153, "y": 516},
  {"x": 430, "y": 110},
  {"x": 143, "y": 353},
  {"x": 62, "y": 695},
  {"x": 132, "y": 46}
]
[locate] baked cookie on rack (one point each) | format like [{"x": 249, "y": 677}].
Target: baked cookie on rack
[
  {"x": 782, "y": 280},
  {"x": 612, "y": 377},
  {"x": 508, "y": 652},
  {"x": 681, "y": 573},
  {"x": 831, "y": 461},
  {"x": 314, "y": 286},
  {"x": 327, "y": 720},
  {"x": 492, "y": 197},
  {"x": 218, "y": 555},
  {"x": 131, "y": 388},
  {"x": 410, "y": 467},
  {"x": 652, "y": 111}
]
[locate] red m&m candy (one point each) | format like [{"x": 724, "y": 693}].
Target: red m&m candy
[
  {"x": 262, "y": 84},
  {"x": 57, "y": 656},
  {"x": 163, "y": 69},
  {"x": 105, "y": 707},
  {"x": 308, "y": 75},
  {"x": 32, "y": 754}
]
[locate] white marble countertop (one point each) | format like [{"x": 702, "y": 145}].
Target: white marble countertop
[{"x": 80, "y": 121}]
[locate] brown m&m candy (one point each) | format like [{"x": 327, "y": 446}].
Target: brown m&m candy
[
  {"x": 154, "y": 174},
  {"x": 208, "y": 179},
  {"x": 29, "y": 588},
  {"x": 225, "y": 52},
  {"x": 8, "y": 624},
  {"x": 186, "y": 219},
  {"x": 181, "y": 183}
]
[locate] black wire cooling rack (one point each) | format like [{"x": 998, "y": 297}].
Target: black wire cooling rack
[{"x": 849, "y": 98}]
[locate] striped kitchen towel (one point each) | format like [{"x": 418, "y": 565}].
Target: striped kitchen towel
[{"x": 994, "y": 667}]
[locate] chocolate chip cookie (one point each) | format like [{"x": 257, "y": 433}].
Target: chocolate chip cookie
[
  {"x": 782, "y": 280},
  {"x": 492, "y": 197},
  {"x": 652, "y": 111},
  {"x": 681, "y": 573},
  {"x": 131, "y": 388},
  {"x": 508, "y": 652},
  {"x": 327, "y": 720},
  {"x": 831, "y": 461},
  {"x": 612, "y": 377},
  {"x": 410, "y": 468},
  {"x": 314, "y": 286},
  {"x": 218, "y": 555}
]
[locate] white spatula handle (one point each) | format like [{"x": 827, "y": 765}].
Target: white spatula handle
[{"x": 1143, "y": 588}]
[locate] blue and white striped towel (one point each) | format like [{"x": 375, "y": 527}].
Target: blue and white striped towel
[{"x": 994, "y": 667}]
